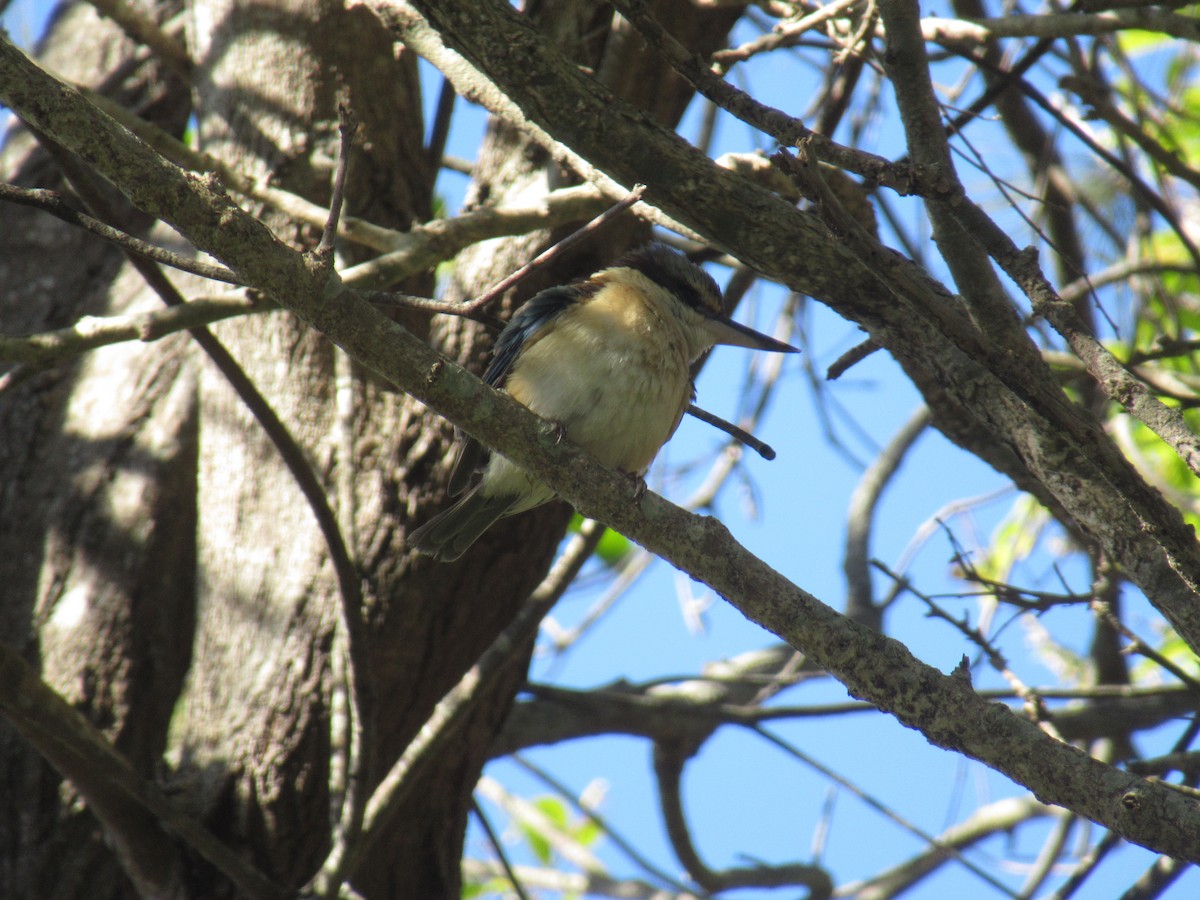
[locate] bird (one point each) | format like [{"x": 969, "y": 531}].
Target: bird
[{"x": 608, "y": 360}]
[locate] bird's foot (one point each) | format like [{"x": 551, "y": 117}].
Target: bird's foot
[{"x": 639, "y": 486}]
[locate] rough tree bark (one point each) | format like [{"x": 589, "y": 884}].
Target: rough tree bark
[
  {"x": 181, "y": 582},
  {"x": 97, "y": 490}
]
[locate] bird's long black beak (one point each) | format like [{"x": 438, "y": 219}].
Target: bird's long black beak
[{"x": 726, "y": 331}]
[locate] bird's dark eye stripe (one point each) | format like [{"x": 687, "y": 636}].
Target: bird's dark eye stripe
[
  {"x": 686, "y": 293},
  {"x": 668, "y": 268}
]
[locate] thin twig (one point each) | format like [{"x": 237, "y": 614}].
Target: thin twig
[
  {"x": 1094, "y": 96},
  {"x": 425, "y": 245},
  {"x": 1119, "y": 272},
  {"x": 1003, "y": 81},
  {"x": 347, "y": 126},
  {"x": 1136, "y": 182},
  {"x": 48, "y": 347},
  {"x": 1137, "y": 645},
  {"x": 881, "y": 807},
  {"x": 558, "y": 249},
  {"x": 852, "y": 357},
  {"x": 902, "y": 178},
  {"x": 429, "y": 305},
  {"x": 785, "y": 34},
  {"x": 1002, "y": 817},
  {"x": 766, "y": 451},
  {"x": 56, "y": 205},
  {"x": 626, "y": 846},
  {"x": 1087, "y": 866},
  {"x": 1035, "y": 705},
  {"x": 498, "y": 848}
]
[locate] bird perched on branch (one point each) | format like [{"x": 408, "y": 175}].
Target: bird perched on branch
[{"x": 608, "y": 359}]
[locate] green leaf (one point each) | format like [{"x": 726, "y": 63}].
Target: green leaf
[
  {"x": 613, "y": 546},
  {"x": 588, "y": 832},
  {"x": 1173, "y": 648},
  {"x": 538, "y": 843},
  {"x": 1160, "y": 464},
  {"x": 1134, "y": 41},
  {"x": 555, "y": 812},
  {"x": 554, "y": 809}
]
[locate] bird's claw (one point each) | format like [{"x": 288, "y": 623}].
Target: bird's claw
[{"x": 639, "y": 487}]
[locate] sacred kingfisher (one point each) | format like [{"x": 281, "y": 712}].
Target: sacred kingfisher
[{"x": 609, "y": 360}]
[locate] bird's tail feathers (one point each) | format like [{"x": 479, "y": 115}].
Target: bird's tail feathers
[{"x": 448, "y": 534}]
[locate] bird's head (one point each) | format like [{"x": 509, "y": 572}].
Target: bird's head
[{"x": 695, "y": 298}]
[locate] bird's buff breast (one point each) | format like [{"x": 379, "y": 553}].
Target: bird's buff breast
[{"x": 615, "y": 378}]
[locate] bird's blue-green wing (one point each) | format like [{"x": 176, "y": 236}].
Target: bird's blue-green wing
[{"x": 530, "y": 322}]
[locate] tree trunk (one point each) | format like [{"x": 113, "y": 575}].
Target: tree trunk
[
  {"x": 97, "y": 488},
  {"x": 161, "y": 565}
]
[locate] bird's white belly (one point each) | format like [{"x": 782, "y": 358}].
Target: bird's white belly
[{"x": 612, "y": 397}]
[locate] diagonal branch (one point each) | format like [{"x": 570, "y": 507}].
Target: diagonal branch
[
  {"x": 56, "y": 205},
  {"x": 1123, "y": 387},
  {"x": 91, "y": 332}
]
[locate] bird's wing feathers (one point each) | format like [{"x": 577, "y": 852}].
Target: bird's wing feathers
[
  {"x": 532, "y": 322},
  {"x": 448, "y": 535},
  {"x": 471, "y": 457}
]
